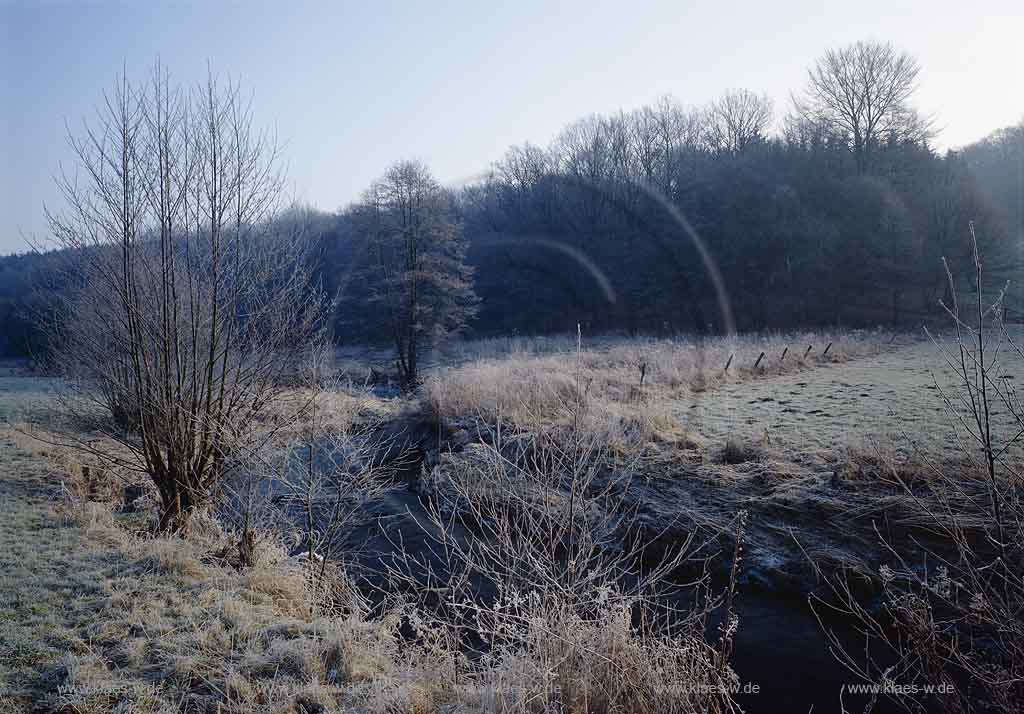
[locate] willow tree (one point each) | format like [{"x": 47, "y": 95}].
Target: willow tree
[{"x": 191, "y": 302}]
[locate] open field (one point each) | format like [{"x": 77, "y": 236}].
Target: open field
[
  {"x": 23, "y": 395},
  {"x": 872, "y": 387},
  {"x": 100, "y": 614},
  {"x": 894, "y": 397}
]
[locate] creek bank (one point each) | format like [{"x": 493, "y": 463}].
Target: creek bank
[{"x": 780, "y": 645}]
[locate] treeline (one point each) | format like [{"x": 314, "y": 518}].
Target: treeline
[
  {"x": 28, "y": 284},
  {"x": 602, "y": 229},
  {"x": 672, "y": 218},
  {"x": 997, "y": 164},
  {"x": 625, "y": 221}
]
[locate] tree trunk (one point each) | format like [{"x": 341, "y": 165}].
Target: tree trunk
[{"x": 178, "y": 506}]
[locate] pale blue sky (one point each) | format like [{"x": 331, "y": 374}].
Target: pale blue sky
[{"x": 353, "y": 86}]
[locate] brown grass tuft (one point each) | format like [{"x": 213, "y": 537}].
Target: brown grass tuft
[
  {"x": 740, "y": 451},
  {"x": 172, "y": 556}
]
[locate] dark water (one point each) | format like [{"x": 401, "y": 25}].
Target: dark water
[{"x": 780, "y": 646}]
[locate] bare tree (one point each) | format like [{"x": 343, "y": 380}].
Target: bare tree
[
  {"x": 680, "y": 134},
  {"x": 738, "y": 120},
  {"x": 648, "y": 151},
  {"x": 417, "y": 256},
  {"x": 191, "y": 304},
  {"x": 522, "y": 167},
  {"x": 863, "y": 91}
]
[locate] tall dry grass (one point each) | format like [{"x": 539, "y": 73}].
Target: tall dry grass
[
  {"x": 177, "y": 628},
  {"x": 625, "y": 387}
]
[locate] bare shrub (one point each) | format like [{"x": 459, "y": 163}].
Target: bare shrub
[
  {"x": 189, "y": 300},
  {"x": 310, "y": 476}
]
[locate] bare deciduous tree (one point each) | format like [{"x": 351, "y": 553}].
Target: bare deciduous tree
[
  {"x": 312, "y": 473},
  {"x": 417, "y": 255},
  {"x": 191, "y": 304},
  {"x": 737, "y": 120},
  {"x": 862, "y": 91}
]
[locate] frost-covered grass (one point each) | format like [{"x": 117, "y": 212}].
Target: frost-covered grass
[
  {"x": 98, "y": 614},
  {"x": 531, "y": 380}
]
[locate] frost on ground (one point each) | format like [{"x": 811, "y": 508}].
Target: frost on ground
[
  {"x": 891, "y": 398},
  {"x": 816, "y": 447},
  {"x": 823, "y": 459}
]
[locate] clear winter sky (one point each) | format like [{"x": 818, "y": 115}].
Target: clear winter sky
[{"x": 354, "y": 86}]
